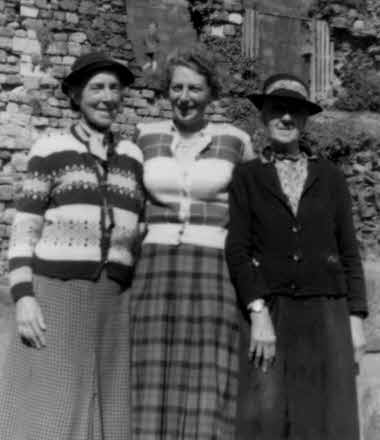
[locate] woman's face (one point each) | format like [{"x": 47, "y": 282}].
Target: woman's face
[
  {"x": 284, "y": 120},
  {"x": 99, "y": 100},
  {"x": 189, "y": 95}
]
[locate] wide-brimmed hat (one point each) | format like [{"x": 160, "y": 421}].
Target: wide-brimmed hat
[
  {"x": 87, "y": 65},
  {"x": 285, "y": 86}
]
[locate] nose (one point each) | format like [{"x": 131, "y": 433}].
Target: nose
[
  {"x": 184, "y": 96},
  {"x": 287, "y": 117},
  {"x": 109, "y": 95}
]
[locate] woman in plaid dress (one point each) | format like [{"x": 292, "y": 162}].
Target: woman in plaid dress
[
  {"x": 66, "y": 374},
  {"x": 183, "y": 307}
]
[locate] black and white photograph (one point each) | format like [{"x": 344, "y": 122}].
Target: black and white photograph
[{"x": 190, "y": 219}]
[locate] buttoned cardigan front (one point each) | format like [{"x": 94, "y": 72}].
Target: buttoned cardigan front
[
  {"x": 273, "y": 251},
  {"x": 189, "y": 203}
]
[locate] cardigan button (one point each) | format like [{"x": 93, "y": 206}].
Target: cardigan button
[
  {"x": 296, "y": 258},
  {"x": 295, "y": 228}
]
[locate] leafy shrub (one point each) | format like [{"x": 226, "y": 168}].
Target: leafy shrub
[
  {"x": 338, "y": 141},
  {"x": 361, "y": 84}
]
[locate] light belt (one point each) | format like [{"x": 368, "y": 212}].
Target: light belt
[{"x": 177, "y": 233}]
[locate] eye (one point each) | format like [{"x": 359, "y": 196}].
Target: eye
[
  {"x": 196, "y": 89},
  {"x": 176, "y": 87}
]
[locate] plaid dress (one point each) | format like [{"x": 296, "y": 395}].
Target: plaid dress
[
  {"x": 184, "y": 345},
  {"x": 77, "y": 387}
]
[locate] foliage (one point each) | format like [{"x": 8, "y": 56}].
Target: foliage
[
  {"x": 361, "y": 84},
  {"x": 328, "y": 8},
  {"x": 240, "y": 76},
  {"x": 338, "y": 141},
  {"x": 200, "y": 12}
]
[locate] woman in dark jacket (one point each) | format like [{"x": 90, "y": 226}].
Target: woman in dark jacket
[{"x": 294, "y": 261}]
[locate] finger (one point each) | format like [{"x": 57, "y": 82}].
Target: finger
[
  {"x": 266, "y": 358},
  {"x": 26, "y": 335},
  {"x": 271, "y": 352},
  {"x": 252, "y": 350},
  {"x": 38, "y": 333},
  {"x": 258, "y": 355},
  {"x": 32, "y": 334},
  {"x": 41, "y": 320}
]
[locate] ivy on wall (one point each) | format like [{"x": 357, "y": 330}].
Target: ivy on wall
[{"x": 361, "y": 84}]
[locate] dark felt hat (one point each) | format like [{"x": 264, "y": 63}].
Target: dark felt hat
[
  {"x": 285, "y": 86},
  {"x": 87, "y": 65}
]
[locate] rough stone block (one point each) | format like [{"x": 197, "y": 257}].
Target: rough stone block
[
  {"x": 229, "y": 30},
  {"x": 235, "y": 18},
  {"x": 68, "y": 60},
  {"x": 5, "y": 43},
  {"x": 39, "y": 122},
  {"x": 372, "y": 324},
  {"x": 72, "y": 18},
  {"x": 6, "y": 192},
  {"x": 25, "y": 45},
  {"x": 57, "y": 48},
  {"x": 68, "y": 5},
  {"x": 9, "y": 69},
  {"x": 19, "y": 161},
  {"x": 78, "y": 37},
  {"x": 369, "y": 397},
  {"x": 74, "y": 49},
  {"x": 28, "y": 11},
  {"x": 217, "y": 31},
  {"x": 8, "y": 216}
]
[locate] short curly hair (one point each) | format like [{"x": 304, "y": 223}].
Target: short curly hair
[{"x": 198, "y": 59}]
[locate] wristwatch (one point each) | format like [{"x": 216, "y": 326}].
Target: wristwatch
[{"x": 256, "y": 306}]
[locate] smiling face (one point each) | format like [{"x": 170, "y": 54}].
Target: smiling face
[
  {"x": 189, "y": 95},
  {"x": 99, "y": 100},
  {"x": 285, "y": 120}
]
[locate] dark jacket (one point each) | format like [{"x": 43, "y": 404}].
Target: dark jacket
[{"x": 270, "y": 251}]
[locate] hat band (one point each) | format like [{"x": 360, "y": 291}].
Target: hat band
[{"x": 287, "y": 84}]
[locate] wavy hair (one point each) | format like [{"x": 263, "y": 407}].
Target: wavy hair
[{"x": 198, "y": 59}]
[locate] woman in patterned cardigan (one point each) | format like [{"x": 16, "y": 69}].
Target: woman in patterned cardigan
[{"x": 70, "y": 256}]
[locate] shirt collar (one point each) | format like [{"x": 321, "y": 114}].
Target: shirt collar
[
  {"x": 97, "y": 143},
  {"x": 200, "y": 140},
  {"x": 269, "y": 156}
]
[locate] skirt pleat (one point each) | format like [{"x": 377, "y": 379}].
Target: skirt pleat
[
  {"x": 309, "y": 393},
  {"x": 184, "y": 345},
  {"x": 77, "y": 387}
]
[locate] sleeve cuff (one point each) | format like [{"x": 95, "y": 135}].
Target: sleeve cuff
[{"x": 20, "y": 290}]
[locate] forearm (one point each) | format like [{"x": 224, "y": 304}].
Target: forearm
[{"x": 26, "y": 231}]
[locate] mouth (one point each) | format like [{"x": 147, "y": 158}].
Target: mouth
[{"x": 185, "y": 111}]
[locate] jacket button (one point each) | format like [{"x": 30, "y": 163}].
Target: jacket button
[
  {"x": 295, "y": 229},
  {"x": 296, "y": 258},
  {"x": 293, "y": 286}
]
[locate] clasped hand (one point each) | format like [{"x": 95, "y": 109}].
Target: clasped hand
[{"x": 262, "y": 347}]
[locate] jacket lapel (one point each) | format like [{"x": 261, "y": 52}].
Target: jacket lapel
[
  {"x": 267, "y": 176},
  {"x": 312, "y": 176}
]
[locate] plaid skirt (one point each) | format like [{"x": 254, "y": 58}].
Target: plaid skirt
[
  {"x": 77, "y": 387},
  {"x": 184, "y": 332}
]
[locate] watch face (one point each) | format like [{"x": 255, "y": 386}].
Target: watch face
[{"x": 257, "y": 306}]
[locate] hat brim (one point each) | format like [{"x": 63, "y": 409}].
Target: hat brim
[
  {"x": 78, "y": 76},
  {"x": 258, "y": 100}
]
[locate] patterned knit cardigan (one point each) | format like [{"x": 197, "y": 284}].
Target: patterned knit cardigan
[{"x": 72, "y": 218}]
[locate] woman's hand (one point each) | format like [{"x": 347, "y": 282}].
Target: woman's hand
[
  {"x": 262, "y": 347},
  {"x": 30, "y": 321},
  {"x": 358, "y": 337}
]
